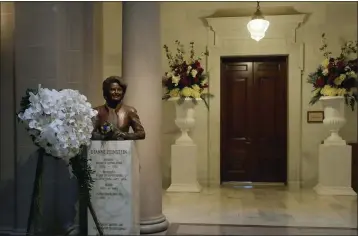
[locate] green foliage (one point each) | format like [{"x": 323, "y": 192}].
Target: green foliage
[
  {"x": 194, "y": 101},
  {"x": 166, "y": 97},
  {"x": 205, "y": 97},
  {"x": 324, "y": 46},
  {"x": 181, "y": 100},
  {"x": 83, "y": 172},
  {"x": 25, "y": 101},
  {"x": 351, "y": 100},
  {"x": 315, "y": 98}
]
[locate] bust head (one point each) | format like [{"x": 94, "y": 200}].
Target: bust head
[{"x": 114, "y": 89}]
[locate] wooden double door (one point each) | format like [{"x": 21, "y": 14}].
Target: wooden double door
[{"x": 254, "y": 119}]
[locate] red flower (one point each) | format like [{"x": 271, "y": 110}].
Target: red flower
[
  {"x": 330, "y": 65},
  {"x": 331, "y": 78},
  {"x": 184, "y": 81},
  {"x": 197, "y": 64},
  {"x": 169, "y": 82},
  {"x": 340, "y": 64},
  {"x": 319, "y": 82}
]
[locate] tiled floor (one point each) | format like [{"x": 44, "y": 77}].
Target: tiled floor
[{"x": 270, "y": 206}]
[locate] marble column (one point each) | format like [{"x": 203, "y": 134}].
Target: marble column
[
  {"x": 142, "y": 71},
  {"x": 7, "y": 121}
]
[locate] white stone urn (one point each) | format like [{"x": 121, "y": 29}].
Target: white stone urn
[
  {"x": 333, "y": 118},
  {"x": 185, "y": 119}
]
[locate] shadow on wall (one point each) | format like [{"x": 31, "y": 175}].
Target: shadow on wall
[
  {"x": 170, "y": 133},
  {"x": 58, "y": 195},
  {"x": 346, "y": 131}
]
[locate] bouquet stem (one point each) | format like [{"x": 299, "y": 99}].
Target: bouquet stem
[
  {"x": 95, "y": 219},
  {"x": 82, "y": 171},
  {"x": 85, "y": 204},
  {"x": 35, "y": 201}
]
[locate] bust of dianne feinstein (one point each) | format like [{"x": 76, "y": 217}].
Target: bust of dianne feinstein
[{"x": 114, "y": 118}]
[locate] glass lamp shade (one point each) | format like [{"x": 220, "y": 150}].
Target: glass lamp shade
[{"x": 257, "y": 28}]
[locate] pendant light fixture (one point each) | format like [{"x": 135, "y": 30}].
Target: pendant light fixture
[{"x": 258, "y": 25}]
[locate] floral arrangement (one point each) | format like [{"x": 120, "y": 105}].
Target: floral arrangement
[
  {"x": 108, "y": 132},
  {"x": 106, "y": 128},
  {"x": 58, "y": 121},
  {"x": 336, "y": 76},
  {"x": 186, "y": 78},
  {"x": 60, "y": 124}
]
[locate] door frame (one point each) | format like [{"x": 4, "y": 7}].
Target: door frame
[
  {"x": 227, "y": 36},
  {"x": 248, "y": 59}
]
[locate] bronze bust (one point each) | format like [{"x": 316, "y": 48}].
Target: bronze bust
[{"x": 115, "y": 118}]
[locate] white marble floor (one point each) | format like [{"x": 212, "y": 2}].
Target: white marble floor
[
  {"x": 274, "y": 206},
  {"x": 202, "y": 229}
]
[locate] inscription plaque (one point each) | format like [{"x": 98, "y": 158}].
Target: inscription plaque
[{"x": 115, "y": 193}]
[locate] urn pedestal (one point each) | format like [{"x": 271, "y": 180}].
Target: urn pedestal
[
  {"x": 184, "y": 151},
  {"x": 333, "y": 118},
  {"x": 335, "y": 156},
  {"x": 185, "y": 119}
]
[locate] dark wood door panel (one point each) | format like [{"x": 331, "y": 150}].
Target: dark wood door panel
[
  {"x": 271, "y": 129},
  {"x": 235, "y": 104},
  {"x": 253, "y": 119},
  {"x": 265, "y": 105},
  {"x": 238, "y": 162},
  {"x": 239, "y": 97}
]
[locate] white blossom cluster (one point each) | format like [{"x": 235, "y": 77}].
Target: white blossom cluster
[{"x": 59, "y": 121}]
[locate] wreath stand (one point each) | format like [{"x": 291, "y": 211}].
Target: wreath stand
[{"x": 35, "y": 207}]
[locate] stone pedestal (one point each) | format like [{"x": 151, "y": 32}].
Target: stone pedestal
[
  {"x": 335, "y": 170},
  {"x": 115, "y": 194},
  {"x": 184, "y": 169}
]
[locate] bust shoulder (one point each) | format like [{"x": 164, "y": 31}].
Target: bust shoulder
[
  {"x": 102, "y": 111},
  {"x": 99, "y": 108},
  {"x": 129, "y": 108}
]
